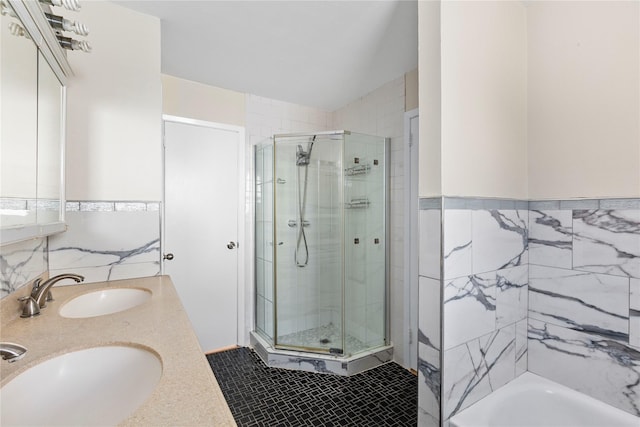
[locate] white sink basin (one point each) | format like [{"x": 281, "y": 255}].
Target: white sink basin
[
  {"x": 105, "y": 301},
  {"x": 98, "y": 386}
]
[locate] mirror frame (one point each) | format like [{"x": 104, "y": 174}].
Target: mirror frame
[{"x": 35, "y": 23}]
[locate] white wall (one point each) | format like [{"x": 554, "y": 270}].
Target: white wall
[
  {"x": 429, "y": 87},
  {"x": 411, "y": 91},
  {"x": 185, "y": 98},
  {"x": 484, "y": 129},
  {"x": 584, "y": 99},
  {"x": 114, "y": 108}
]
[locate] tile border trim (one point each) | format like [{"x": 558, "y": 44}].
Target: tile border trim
[
  {"x": 112, "y": 206},
  {"x": 477, "y": 203}
]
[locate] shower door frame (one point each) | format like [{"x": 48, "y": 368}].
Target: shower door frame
[
  {"x": 276, "y": 345},
  {"x": 387, "y": 270}
]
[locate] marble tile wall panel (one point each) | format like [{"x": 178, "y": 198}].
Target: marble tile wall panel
[
  {"x": 634, "y": 313},
  {"x": 108, "y": 244},
  {"x": 582, "y": 301},
  {"x": 607, "y": 241},
  {"x": 429, "y": 223},
  {"x": 499, "y": 239},
  {"x": 429, "y": 310},
  {"x": 476, "y": 368},
  {"x": 551, "y": 238},
  {"x": 20, "y": 263},
  {"x": 596, "y": 365},
  {"x": 522, "y": 348},
  {"x": 479, "y": 304},
  {"x": 107, "y": 273},
  {"x": 469, "y": 308},
  {"x": 429, "y": 348},
  {"x": 585, "y": 258},
  {"x": 457, "y": 243},
  {"x": 485, "y": 298},
  {"x": 483, "y": 240},
  {"x": 425, "y": 419},
  {"x": 511, "y": 295},
  {"x": 578, "y": 281}
]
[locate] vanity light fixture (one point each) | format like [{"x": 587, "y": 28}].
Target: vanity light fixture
[
  {"x": 67, "y": 4},
  {"x": 72, "y": 44},
  {"x": 60, "y": 23}
]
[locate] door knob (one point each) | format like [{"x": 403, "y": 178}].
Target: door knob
[
  {"x": 231, "y": 245},
  {"x": 168, "y": 257}
]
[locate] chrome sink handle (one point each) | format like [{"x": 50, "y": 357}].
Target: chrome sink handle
[
  {"x": 40, "y": 292},
  {"x": 30, "y": 307},
  {"x": 11, "y": 352}
]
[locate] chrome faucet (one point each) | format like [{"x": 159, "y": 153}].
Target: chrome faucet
[
  {"x": 11, "y": 352},
  {"x": 41, "y": 293}
]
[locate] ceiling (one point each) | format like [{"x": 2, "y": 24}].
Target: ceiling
[{"x": 323, "y": 54}]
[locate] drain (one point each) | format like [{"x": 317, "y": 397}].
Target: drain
[{"x": 325, "y": 341}]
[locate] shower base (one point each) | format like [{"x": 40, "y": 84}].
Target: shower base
[
  {"x": 321, "y": 363},
  {"x": 326, "y": 336}
]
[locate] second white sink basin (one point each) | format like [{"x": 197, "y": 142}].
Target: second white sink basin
[
  {"x": 104, "y": 301},
  {"x": 99, "y": 386}
]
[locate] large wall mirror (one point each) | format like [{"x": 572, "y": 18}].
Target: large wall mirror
[{"x": 32, "y": 102}]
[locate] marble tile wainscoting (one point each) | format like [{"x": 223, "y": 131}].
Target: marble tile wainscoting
[
  {"x": 429, "y": 312},
  {"x": 584, "y": 284},
  {"x": 104, "y": 241},
  {"x": 550, "y": 287},
  {"x": 485, "y": 281}
]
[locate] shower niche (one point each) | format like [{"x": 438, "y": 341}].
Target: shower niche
[{"x": 321, "y": 238}]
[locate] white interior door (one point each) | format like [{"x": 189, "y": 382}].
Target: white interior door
[{"x": 201, "y": 226}]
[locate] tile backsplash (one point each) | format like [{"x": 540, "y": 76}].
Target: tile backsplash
[
  {"x": 20, "y": 263},
  {"x": 108, "y": 241},
  {"x": 104, "y": 241}
]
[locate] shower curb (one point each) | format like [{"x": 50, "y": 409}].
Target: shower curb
[{"x": 320, "y": 363}]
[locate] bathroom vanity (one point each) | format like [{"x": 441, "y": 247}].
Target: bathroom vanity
[{"x": 186, "y": 392}]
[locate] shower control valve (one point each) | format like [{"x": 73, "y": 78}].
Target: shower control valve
[{"x": 293, "y": 223}]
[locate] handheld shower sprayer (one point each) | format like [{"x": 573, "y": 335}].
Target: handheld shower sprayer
[{"x": 303, "y": 158}]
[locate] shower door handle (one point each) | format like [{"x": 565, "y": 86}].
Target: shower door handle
[{"x": 231, "y": 245}]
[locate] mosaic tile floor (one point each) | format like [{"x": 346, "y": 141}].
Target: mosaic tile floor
[
  {"x": 326, "y": 336},
  {"x": 269, "y": 397}
]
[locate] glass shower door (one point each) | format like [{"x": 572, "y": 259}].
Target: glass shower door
[
  {"x": 308, "y": 243},
  {"x": 365, "y": 242}
]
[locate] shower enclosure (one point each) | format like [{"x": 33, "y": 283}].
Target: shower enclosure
[{"x": 321, "y": 242}]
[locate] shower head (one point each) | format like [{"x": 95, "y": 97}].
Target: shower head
[{"x": 302, "y": 157}]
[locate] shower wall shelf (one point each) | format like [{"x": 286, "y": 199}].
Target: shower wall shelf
[
  {"x": 357, "y": 170},
  {"x": 360, "y": 203}
]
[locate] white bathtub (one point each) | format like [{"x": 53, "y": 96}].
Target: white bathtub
[{"x": 531, "y": 400}]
